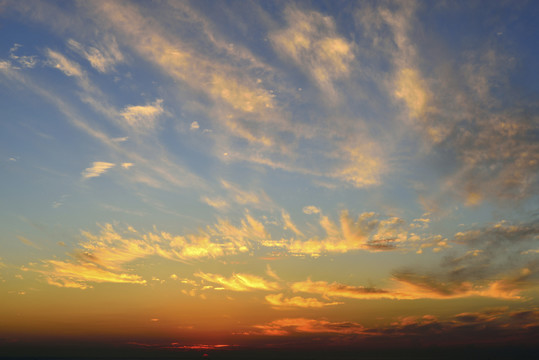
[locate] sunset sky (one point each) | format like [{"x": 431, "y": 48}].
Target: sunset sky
[{"x": 271, "y": 174}]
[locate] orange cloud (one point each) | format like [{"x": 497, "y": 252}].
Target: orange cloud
[
  {"x": 346, "y": 291},
  {"x": 68, "y": 274},
  {"x": 289, "y": 326},
  {"x": 278, "y": 300},
  {"x": 427, "y": 286},
  {"x": 239, "y": 282}
]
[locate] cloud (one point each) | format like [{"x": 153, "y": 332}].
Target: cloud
[
  {"x": 491, "y": 265},
  {"x": 103, "y": 57},
  {"x": 332, "y": 290},
  {"x": 239, "y": 282},
  {"x": 312, "y": 42},
  {"x": 411, "y": 88},
  {"x": 76, "y": 275},
  {"x": 279, "y": 301},
  {"x": 61, "y": 63},
  {"x": 107, "y": 251},
  {"x": 311, "y": 210},
  {"x": 25, "y": 61},
  {"x": 246, "y": 100},
  {"x": 509, "y": 285},
  {"x": 218, "y": 203},
  {"x": 142, "y": 118},
  {"x": 289, "y": 225},
  {"x": 467, "y": 108},
  {"x": 28, "y": 242},
  {"x": 360, "y": 163},
  {"x": 127, "y": 165},
  {"x": 257, "y": 198},
  {"x": 500, "y": 234},
  {"x": 290, "y": 326},
  {"x": 194, "y": 125},
  {"x": 369, "y": 232},
  {"x": 5, "y": 65},
  {"x": 271, "y": 273},
  {"x": 98, "y": 168},
  {"x": 488, "y": 327}
]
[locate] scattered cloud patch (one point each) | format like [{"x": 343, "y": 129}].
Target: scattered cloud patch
[
  {"x": 143, "y": 118},
  {"x": 194, "y": 125},
  {"x": 311, "y": 210},
  {"x": 98, "y": 168}
]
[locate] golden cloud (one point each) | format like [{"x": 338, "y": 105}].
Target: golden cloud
[
  {"x": 239, "y": 282},
  {"x": 279, "y": 301}
]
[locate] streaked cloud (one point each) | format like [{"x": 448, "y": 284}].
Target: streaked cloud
[
  {"x": 312, "y": 42},
  {"x": 509, "y": 286},
  {"x": 279, "y": 301},
  {"x": 28, "y": 242},
  {"x": 333, "y": 290},
  {"x": 369, "y": 232},
  {"x": 244, "y": 197},
  {"x": 324, "y": 172},
  {"x": 98, "y": 168},
  {"x": 218, "y": 203},
  {"x": 60, "y": 62},
  {"x": 77, "y": 275},
  {"x": 289, "y": 225},
  {"x": 239, "y": 282},
  {"x": 103, "y": 57},
  {"x": 289, "y": 326}
]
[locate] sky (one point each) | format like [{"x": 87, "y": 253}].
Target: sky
[{"x": 274, "y": 174}]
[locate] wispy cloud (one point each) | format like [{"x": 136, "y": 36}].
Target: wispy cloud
[
  {"x": 28, "y": 242},
  {"x": 218, "y": 203},
  {"x": 346, "y": 291},
  {"x": 369, "y": 232},
  {"x": 60, "y": 62},
  {"x": 142, "y": 118},
  {"x": 509, "y": 286},
  {"x": 77, "y": 275},
  {"x": 312, "y": 42},
  {"x": 239, "y": 282},
  {"x": 103, "y": 57},
  {"x": 98, "y": 168},
  {"x": 279, "y": 301},
  {"x": 290, "y": 326},
  {"x": 109, "y": 250}
]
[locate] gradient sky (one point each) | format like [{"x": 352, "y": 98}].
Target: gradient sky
[{"x": 269, "y": 173}]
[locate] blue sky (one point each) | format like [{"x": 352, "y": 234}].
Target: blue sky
[{"x": 300, "y": 157}]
